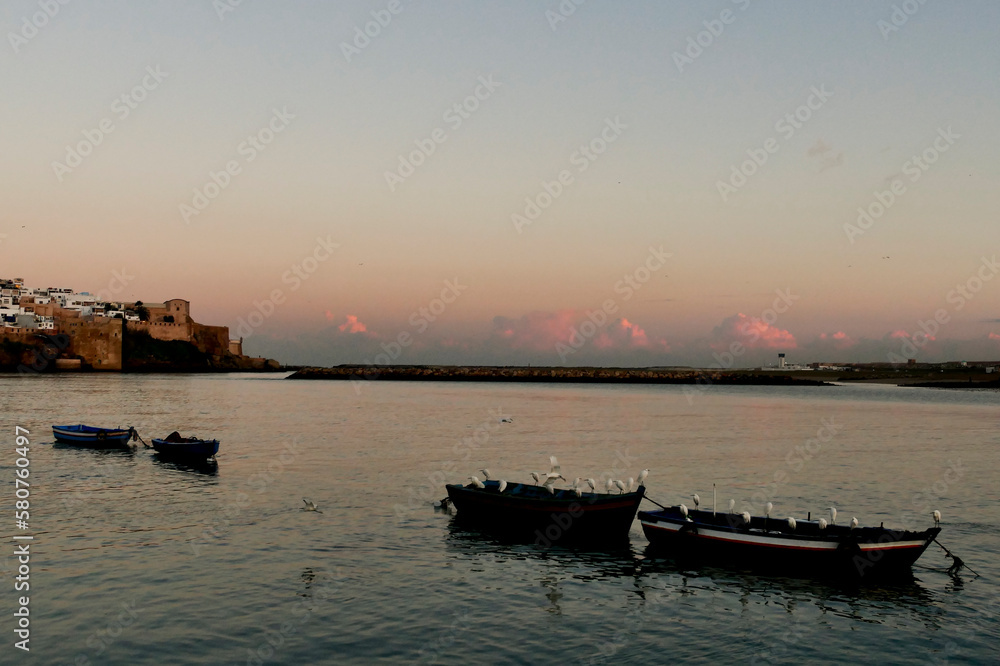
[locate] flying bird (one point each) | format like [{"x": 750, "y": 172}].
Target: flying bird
[
  {"x": 552, "y": 476},
  {"x": 555, "y": 465},
  {"x": 503, "y": 485},
  {"x": 552, "y": 489},
  {"x": 309, "y": 506},
  {"x": 642, "y": 476},
  {"x": 937, "y": 517},
  {"x": 485, "y": 473},
  {"x": 476, "y": 482},
  {"x": 833, "y": 515}
]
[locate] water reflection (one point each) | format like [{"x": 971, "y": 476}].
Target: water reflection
[{"x": 205, "y": 467}]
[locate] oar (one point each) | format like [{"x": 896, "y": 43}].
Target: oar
[
  {"x": 647, "y": 497},
  {"x": 958, "y": 561}
]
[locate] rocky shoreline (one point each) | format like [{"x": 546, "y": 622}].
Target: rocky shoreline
[{"x": 552, "y": 374}]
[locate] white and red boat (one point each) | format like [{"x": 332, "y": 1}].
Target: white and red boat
[{"x": 800, "y": 546}]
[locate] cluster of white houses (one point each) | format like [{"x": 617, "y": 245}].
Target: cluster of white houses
[{"x": 18, "y": 305}]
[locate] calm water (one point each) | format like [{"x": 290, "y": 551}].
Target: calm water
[{"x": 138, "y": 561}]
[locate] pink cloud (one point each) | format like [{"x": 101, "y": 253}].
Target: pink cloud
[
  {"x": 752, "y": 333},
  {"x": 352, "y": 325},
  {"x": 899, "y": 334},
  {"x": 840, "y": 339},
  {"x": 329, "y": 316},
  {"x": 621, "y": 333},
  {"x": 541, "y": 331},
  {"x": 994, "y": 336}
]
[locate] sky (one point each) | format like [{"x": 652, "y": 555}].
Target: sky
[{"x": 557, "y": 183}]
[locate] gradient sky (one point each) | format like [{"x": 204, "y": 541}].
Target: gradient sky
[{"x": 656, "y": 185}]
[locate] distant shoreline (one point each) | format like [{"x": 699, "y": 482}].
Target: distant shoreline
[{"x": 573, "y": 375}]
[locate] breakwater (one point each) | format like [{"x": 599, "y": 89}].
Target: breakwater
[{"x": 485, "y": 373}]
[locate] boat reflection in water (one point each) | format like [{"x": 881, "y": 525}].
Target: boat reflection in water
[{"x": 207, "y": 467}]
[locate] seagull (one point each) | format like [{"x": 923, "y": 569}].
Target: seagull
[
  {"x": 609, "y": 485},
  {"x": 767, "y": 510},
  {"x": 854, "y": 523},
  {"x": 746, "y": 518},
  {"x": 552, "y": 476},
  {"x": 937, "y": 517},
  {"x": 309, "y": 506},
  {"x": 536, "y": 477},
  {"x": 732, "y": 505},
  {"x": 555, "y": 465},
  {"x": 506, "y": 419},
  {"x": 503, "y": 485},
  {"x": 822, "y": 523},
  {"x": 791, "y": 523},
  {"x": 642, "y": 476},
  {"x": 552, "y": 489},
  {"x": 485, "y": 473},
  {"x": 593, "y": 485},
  {"x": 476, "y": 482},
  {"x": 621, "y": 486},
  {"x": 576, "y": 489},
  {"x": 631, "y": 482},
  {"x": 577, "y": 481},
  {"x": 684, "y": 510},
  {"x": 697, "y": 500},
  {"x": 833, "y": 515}
]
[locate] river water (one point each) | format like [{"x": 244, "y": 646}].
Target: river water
[{"x": 141, "y": 561}]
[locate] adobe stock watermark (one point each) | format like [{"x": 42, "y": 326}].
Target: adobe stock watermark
[
  {"x": 122, "y": 108},
  {"x": 223, "y": 7},
  {"x": 116, "y": 285},
  {"x": 31, "y": 25},
  {"x": 786, "y": 127},
  {"x": 381, "y": 18},
  {"x": 420, "y": 319},
  {"x": 914, "y": 168},
  {"x": 564, "y": 10},
  {"x": 698, "y": 43},
  {"x": 626, "y": 287},
  {"x": 899, "y": 17},
  {"x": 298, "y": 273},
  {"x": 582, "y": 158},
  {"x": 248, "y": 149},
  {"x": 958, "y": 298},
  {"x": 455, "y": 116}
]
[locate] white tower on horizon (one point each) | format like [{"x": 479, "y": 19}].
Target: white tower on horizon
[{"x": 781, "y": 359}]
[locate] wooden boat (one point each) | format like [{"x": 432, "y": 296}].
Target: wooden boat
[
  {"x": 84, "y": 435},
  {"x": 185, "y": 448},
  {"x": 523, "y": 510},
  {"x": 772, "y": 543}
]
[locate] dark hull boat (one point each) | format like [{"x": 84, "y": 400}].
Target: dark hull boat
[
  {"x": 175, "y": 447},
  {"x": 84, "y": 435},
  {"x": 525, "y": 511},
  {"x": 773, "y": 545}
]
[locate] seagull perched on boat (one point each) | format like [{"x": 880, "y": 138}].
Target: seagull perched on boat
[
  {"x": 822, "y": 523},
  {"x": 593, "y": 485},
  {"x": 309, "y": 506},
  {"x": 476, "y": 482},
  {"x": 503, "y": 485},
  {"x": 642, "y": 476},
  {"x": 937, "y": 517},
  {"x": 609, "y": 485},
  {"x": 833, "y": 515},
  {"x": 854, "y": 523},
  {"x": 791, "y": 523},
  {"x": 696, "y": 500},
  {"x": 631, "y": 482},
  {"x": 684, "y": 510},
  {"x": 536, "y": 476},
  {"x": 620, "y": 485},
  {"x": 486, "y": 473},
  {"x": 746, "y": 519},
  {"x": 732, "y": 505}
]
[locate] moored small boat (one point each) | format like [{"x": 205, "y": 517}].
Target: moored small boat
[
  {"x": 561, "y": 516},
  {"x": 84, "y": 435},
  {"x": 185, "y": 448},
  {"x": 795, "y": 547}
]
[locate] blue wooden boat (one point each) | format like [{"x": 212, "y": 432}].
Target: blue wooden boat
[
  {"x": 563, "y": 516},
  {"x": 807, "y": 547},
  {"x": 185, "y": 448},
  {"x": 84, "y": 435}
]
